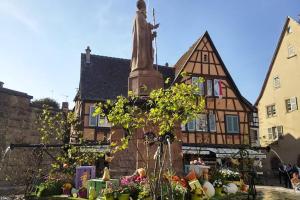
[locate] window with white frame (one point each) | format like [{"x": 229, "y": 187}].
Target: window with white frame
[
  {"x": 275, "y": 132},
  {"x": 291, "y": 104},
  {"x": 276, "y": 82},
  {"x": 197, "y": 82},
  {"x": 212, "y": 122},
  {"x": 291, "y": 51},
  {"x": 201, "y": 123},
  {"x": 92, "y": 118},
  {"x": 209, "y": 87},
  {"x": 271, "y": 111},
  {"x": 232, "y": 123}
]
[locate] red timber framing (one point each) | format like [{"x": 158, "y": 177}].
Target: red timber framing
[{"x": 203, "y": 60}]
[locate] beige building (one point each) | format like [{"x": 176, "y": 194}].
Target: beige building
[{"x": 279, "y": 116}]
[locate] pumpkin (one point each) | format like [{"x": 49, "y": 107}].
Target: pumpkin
[
  {"x": 141, "y": 172},
  {"x": 209, "y": 189}
]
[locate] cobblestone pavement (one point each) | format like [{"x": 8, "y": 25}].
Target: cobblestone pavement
[
  {"x": 276, "y": 193},
  {"x": 264, "y": 193}
]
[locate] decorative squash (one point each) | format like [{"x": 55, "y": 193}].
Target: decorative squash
[
  {"x": 209, "y": 189},
  {"x": 141, "y": 172},
  {"x": 106, "y": 175}
]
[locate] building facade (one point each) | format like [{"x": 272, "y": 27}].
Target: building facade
[
  {"x": 224, "y": 127},
  {"x": 278, "y": 100}
]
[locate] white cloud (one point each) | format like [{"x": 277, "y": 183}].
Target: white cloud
[{"x": 12, "y": 10}]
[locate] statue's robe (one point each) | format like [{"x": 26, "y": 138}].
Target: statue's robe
[{"x": 142, "y": 52}]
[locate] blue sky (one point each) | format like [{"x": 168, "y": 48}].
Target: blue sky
[{"x": 41, "y": 41}]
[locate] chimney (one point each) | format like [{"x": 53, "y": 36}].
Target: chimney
[
  {"x": 167, "y": 64},
  {"x": 65, "y": 106},
  {"x": 1, "y": 84},
  {"x": 88, "y": 55}
]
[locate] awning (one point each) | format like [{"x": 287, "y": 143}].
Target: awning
[{"x": 222, "y": 152}]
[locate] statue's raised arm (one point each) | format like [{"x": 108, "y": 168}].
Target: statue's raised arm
[{"x": 142, "y": 51}]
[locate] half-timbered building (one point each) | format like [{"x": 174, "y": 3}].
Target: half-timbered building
[{"x": 218, "y": 132}]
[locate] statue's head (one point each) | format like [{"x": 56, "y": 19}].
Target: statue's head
[{"x": 141, "y": 5}]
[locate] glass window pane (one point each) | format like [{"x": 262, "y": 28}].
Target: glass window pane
[
  {"x": 191, "y": 125},
  {"x": 92, "y": 119}
]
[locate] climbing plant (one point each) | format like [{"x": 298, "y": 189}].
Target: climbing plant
[{"x": 161, "y": 112}]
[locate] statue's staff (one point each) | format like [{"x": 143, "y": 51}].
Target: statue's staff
[{"x": 155, "y": 43}]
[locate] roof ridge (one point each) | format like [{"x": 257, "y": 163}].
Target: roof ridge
[{"x": 278, "y": 45}]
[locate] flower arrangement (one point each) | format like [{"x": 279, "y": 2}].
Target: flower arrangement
[
  {"x": 229, "y": 175},
  {"x": 197, "y": 162},
  {"x": 108, "y": 191},
  {"x": 218, "y": 183},
  {"x": 145, "y": 192},
  {"x": 179, "y": 190}
]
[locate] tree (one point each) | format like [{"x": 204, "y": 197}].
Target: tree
[
  {"x": 51, "y": 103},
  {"x": 163, "y": 110}
]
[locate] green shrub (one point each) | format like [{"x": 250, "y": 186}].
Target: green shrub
[{"x": 49, "y": 188}]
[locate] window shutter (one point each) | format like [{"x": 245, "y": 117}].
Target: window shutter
[
  {"x": 288, "y": 105},
  {"x": 195, "y": 82},
  {"x": 216, "y": 87},
  {"x": 212, "y": 122},
  {"x": 209, "y": 87},
  {"x": 270, "y": 134},
  {"x": 201, "y": 88},
  {"x": 280, "y": 131},
  {"x": 293, "y": 102},
  {"x": 275, "y": 133}
]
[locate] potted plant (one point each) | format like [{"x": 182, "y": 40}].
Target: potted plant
[
  {"x": 179, "y": 191},
  {"x": 145, "y": 193},
  {"x": 108, "y": 193},
  {"x": 124, "y": 193},
  {"x": 218, "y": 184}
]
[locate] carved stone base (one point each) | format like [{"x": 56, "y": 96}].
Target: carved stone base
[{"x": 142, "y": 82}]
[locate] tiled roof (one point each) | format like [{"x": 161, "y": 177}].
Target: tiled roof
[{"x": 107, "y": 77}]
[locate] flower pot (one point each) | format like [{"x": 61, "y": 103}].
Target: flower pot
[
  {"x": 123, "y": 196},
  {"x": 108, "y": 197},
  {"x": 195, "y": 197}
]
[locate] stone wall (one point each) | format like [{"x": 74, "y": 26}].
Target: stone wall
[{"x": 17, "y": 125}]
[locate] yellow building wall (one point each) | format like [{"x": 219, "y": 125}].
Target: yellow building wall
[{"x": 288, "y": 71}]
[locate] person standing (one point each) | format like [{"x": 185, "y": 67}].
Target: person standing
[{"x": 281, "y": 173}]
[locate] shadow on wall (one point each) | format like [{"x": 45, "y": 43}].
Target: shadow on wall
[{"x": 288, "y": 149}]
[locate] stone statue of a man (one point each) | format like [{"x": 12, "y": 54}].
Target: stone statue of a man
[{"x": 142, "y": 52}]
